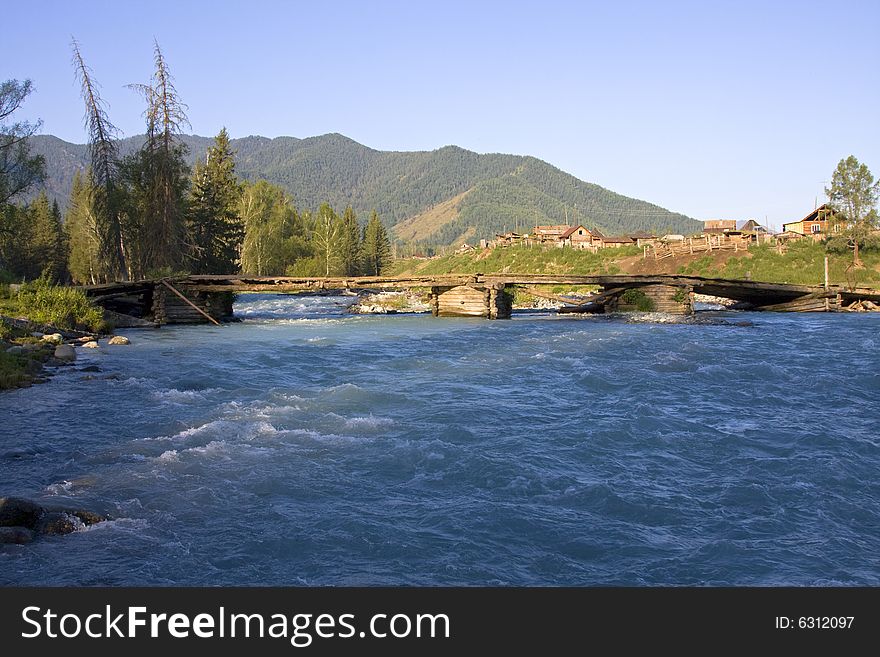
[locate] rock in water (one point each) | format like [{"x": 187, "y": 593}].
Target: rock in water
[
  {"x": 59, "y": 522},
  {"x": 16, "y": 535},
  {"x": 119, "y": 339},
  {"x": 16, "y": 512},
  {"x": 91, "y": 344},
  {"x": 65, "y": 352}
]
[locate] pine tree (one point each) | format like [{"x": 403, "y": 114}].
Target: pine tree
[
  {"x": 376, "y": 247},
  {"x": 83, "y": 233},
  {"x": 349, "y": 243},
  {"x": 62, "y": 248},
  {"x": 214, "y": 226},
  {"x": 157, "y": 178},
  {"x": 16, "y": 242},
  {"x": 854, "y": 194},
  {"x": 46, "y": 246}
]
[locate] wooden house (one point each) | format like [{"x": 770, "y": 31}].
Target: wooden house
[
  {"x": 642, "y": 238},
  {"x": 577, "y": 237},
  {"x": 617, "y": 241},
  {"x": 817, "y": 224},
  {"x": 718, "y": 226},
  {"x": 544, "y": 234}
]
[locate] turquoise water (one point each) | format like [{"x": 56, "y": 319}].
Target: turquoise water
[{"x": 304, "y": 446}]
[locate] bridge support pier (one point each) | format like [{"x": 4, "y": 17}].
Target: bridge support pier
[
  {"x": 168, "y": 308},
  {"x": 491, "y": 301},
  {"x": 672, "y": 299}
]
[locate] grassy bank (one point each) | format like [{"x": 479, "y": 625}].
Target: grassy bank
[
  {"x": 518, "y": 260},
  {"x": 803, "y": 263},
  {"x": 58, "y": 306},
  {"x": 21, "y": 355}
]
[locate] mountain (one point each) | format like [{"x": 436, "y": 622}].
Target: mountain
[{"x": 435, "y": 197}]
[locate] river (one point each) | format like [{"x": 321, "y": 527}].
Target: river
[{"x": 304, "y": 446}]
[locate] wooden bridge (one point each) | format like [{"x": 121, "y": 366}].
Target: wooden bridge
[{"x": 197, "y": 299}]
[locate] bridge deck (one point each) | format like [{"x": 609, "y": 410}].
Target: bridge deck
[{"x": 770, "y": 295}]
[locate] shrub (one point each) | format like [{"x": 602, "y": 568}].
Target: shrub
[
  {"x": 635, "y": 297},
  {"x": 63, "y": 307}
]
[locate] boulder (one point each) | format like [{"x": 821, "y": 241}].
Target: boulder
[
  {"x": 53, "y": 338},
  {"x": 17, "y": 512},
  {"x": 65, "y": 352},
  {"x": 87, "y": 517},
  {"x": 119, "y": 339},
  {"x": 91, "y": 344},
  {"x": 16, "y": 535},
  {"x": 15, "y": 350},
  {"x": 55, "y": 523}
]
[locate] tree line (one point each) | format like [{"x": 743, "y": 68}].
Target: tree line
[{"x": 149, "y": 215}]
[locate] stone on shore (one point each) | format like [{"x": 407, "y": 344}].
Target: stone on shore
[
  {"x": 119, "y": 339},
  {"x": 64, "y": 352},
  {"x": 52, "y": 338},
  {"x": 15, "y": 350}
]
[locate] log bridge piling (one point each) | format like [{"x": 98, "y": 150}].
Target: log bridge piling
[{"x": 203, "y": 298}]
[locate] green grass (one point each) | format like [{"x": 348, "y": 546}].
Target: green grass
[
  {"x": 803, "y": 263},
  {"x": 61, "y": 307},
  {"x": 13, "y": 371},
  {"x": 519, "y": 260}
]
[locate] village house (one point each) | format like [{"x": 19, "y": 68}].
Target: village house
[
  {"x": 643, "y": 238},
  {"x": 718, "y": 226},
  {"x": 577, "y": 237},
  {"x": 817, "y": 224},
  {"x": 544, "y": 234},
  {"x": 616, "y": 241}
]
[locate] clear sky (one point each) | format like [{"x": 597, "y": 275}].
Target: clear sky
[{"x": 714, "y": 109}]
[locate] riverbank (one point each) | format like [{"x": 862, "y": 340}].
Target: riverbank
[
  {"x": 31, "y": 353},
  {"x": 40, "y": 326}
]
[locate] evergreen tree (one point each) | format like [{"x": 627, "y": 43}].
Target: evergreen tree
[
  {"x": 83, "y": 233},
  {"x": 63, "y": 245},
  {"x": 215, "y": 228},
  {"x": 157, "y": 178},
  {"x": 327, "y": 236},
  {"x": 46, "y": 248},
  {"x": 349, "y": 243},
  {"x": 16, "y": 242},
  {"x": 854, "y": 194},
  {"x": 376, "y": 247}
]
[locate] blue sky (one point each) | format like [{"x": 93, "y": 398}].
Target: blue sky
[{"x": 714, "y": 109}]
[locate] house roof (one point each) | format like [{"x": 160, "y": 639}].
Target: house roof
[
  {"x": 618, "y": 239},
  {"x": 543, "y": 230},
  {"x": 825, "y": 209},
  {"x": 571, "y": 231}
]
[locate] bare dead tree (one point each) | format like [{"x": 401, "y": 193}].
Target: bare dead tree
[
  {"x": 103, "y": 153},
  {"x": 163, "y": 173}
]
